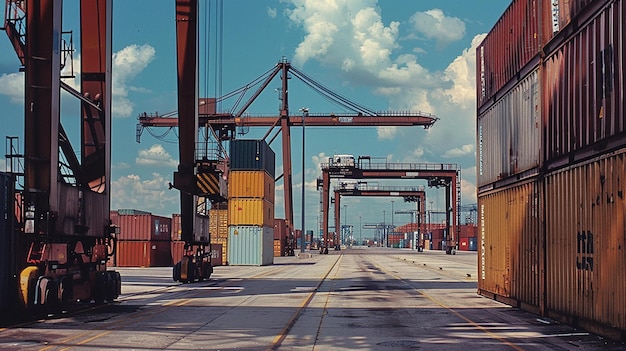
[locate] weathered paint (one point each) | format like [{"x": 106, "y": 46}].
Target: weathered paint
[
  {"x": 255, "y": 212},
  {"x": 143, "y": 253},
  {"x": 250, "y": 245},
  {"x": 585, "y": 243},
  {"x": 509, "y": 132},
  {"x": 510, "y": 242},
  {"x": 143, "y": 226},
  {"x": 583, "y": 94},
  {"x": 511, "y": 44},
  {"x": 251, "y": 184}
]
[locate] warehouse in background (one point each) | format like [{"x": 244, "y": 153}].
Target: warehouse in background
[{"x": 551, "y": 163}]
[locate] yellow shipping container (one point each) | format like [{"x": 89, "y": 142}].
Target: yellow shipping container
[
  {"x": 253, "y": 212},
  {"x": 218, "y": 223},
  {"x": 251, "y": 184}
]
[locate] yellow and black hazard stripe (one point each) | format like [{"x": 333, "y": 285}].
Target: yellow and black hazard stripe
[{"x": 208, "y": 183}]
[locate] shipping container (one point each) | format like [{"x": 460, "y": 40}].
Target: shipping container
[
  {"x": 251, "y": 184},
  {"x": 223, "y": 242},
  {"x": 252, "y": 155},
  {"x": 510, "y": 257},
  {"x": 565, "y": 16},
  {"x": 473, "y": 244},
  {"x": 250, "y": 245},
  {"x": 254, "y": 212},
  {"x": 585, "y": 244},
  {"x": 279, "y": 248},
  {"x": 178, "y": 249},
  {"x": 142, "y": 226},
  {"x": 583, "y": 94},
  {"x": 142, "y": 253},
  {"x": 509, "y": 132},
  {"x": 280, "y": 228},
  {"x": 513, "y": 43}
]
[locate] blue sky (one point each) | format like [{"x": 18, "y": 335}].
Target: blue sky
[{"x": 386, "y": 55}]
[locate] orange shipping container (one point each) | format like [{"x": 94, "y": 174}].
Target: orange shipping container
[
  {"x": 279, "y": 247},
  {"x": 251, "y": 184},
  {"x": 585, "y": 243},
  {"x": 510, "y": 241},
  {"x": 250, "y": 212}
]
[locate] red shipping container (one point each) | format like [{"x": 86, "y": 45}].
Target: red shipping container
[
  {"x": 464, "y": 244},
  {"x": 139, "y": 225},
  {"x": 280, "y": 229},
  {"x": 142, "y": 254}
]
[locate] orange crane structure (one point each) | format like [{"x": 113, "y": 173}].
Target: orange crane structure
[
  {"x": 63, "y": 236},
  {"x": 223, "y": 125}
]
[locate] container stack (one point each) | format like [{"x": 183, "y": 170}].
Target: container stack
[
  {"x": 551, "y": 138},
  {"x": 143, "y": 239},
  {"x": 251, "y": 203},
  {"x": 218, "y": 232}
]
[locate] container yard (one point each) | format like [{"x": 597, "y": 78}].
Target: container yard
[{"x": 551, "y": 137}]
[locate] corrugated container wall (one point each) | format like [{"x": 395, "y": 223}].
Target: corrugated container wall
[
  {"x": 510, "y": 239},
  {"x": 559, "y": 14},
  {"x": 143, "y": 227},
  {"x": 251, "y": 184},
  {"x": 255, "y": 212},
  {"x": 584, "y": 83},
  {"x": 251, "y": 245},
  {"x": 143, "y": 253},
  {"x": 252, "y": 155},
  {"x": 585, "y": 243},
  {"x": 509, "y": 133},
  {"x": 512, "y": 43}
]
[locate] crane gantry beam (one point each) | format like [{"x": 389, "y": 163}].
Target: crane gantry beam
[{"x": 225, "y": 124}]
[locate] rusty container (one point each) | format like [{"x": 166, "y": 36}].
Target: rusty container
[
  {"x": 253, "y": 212},
  {"x": 562, "y": 17},
  {"x": 509, "y": 132},
  {"x": 508, "y": 48},
  {"x": 250, "y": 245},
  {"x": 585, "y": 244},
  {"x": 140, "y": 225},
  {"x": 142, "y": 253},
  {"x": 510, "y": 242},
  {"x": 280, "y": 228},
  {"x": 251, "y": 184},
  {"x": 584, "y": 88}
]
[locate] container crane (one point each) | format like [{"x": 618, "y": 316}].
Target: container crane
[
  {"x": 224, "y": 124},
  {"x": 63, "y": 235}
]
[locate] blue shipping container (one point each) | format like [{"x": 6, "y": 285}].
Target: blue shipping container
[
  {"x": 250, "y": 245},
  {"x": 252, "y": 155}
]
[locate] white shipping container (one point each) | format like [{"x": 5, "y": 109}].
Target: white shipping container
[{"x": 509, "y": 133}]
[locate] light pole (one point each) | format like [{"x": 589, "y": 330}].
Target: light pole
[
  {"x": 360, "y": 227},
  {"x": 384, "y": 241},
  {"x": 345, "y": 222},
  {"x": 305, "y": 112}
]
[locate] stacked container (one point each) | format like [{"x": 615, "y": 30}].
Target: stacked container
[
  {"x": 551, "y": 135},
  {"x": 144, "y": 239},
  {"x": 251, "y": 203},
  {"x": 280, "y": 237},
  {"x": 218, "y": 232}
]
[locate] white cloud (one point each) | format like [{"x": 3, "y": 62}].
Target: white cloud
[
  {"x": 156, "y": 155},
  {"x": 272, "y": 12},
  {"x": 12, "y": 85},
  {"x": 127, "y": 64},
  {"x": 465, "y": 150},
  {"x": 152, "y": 195},
  {"x": 386, "y": 133},
  {"x": 434, "y": 24}
]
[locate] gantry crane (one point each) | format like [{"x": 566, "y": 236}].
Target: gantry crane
[
  {"x": 224, "y": 124},
  {"x": 63, "y": 237}
]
